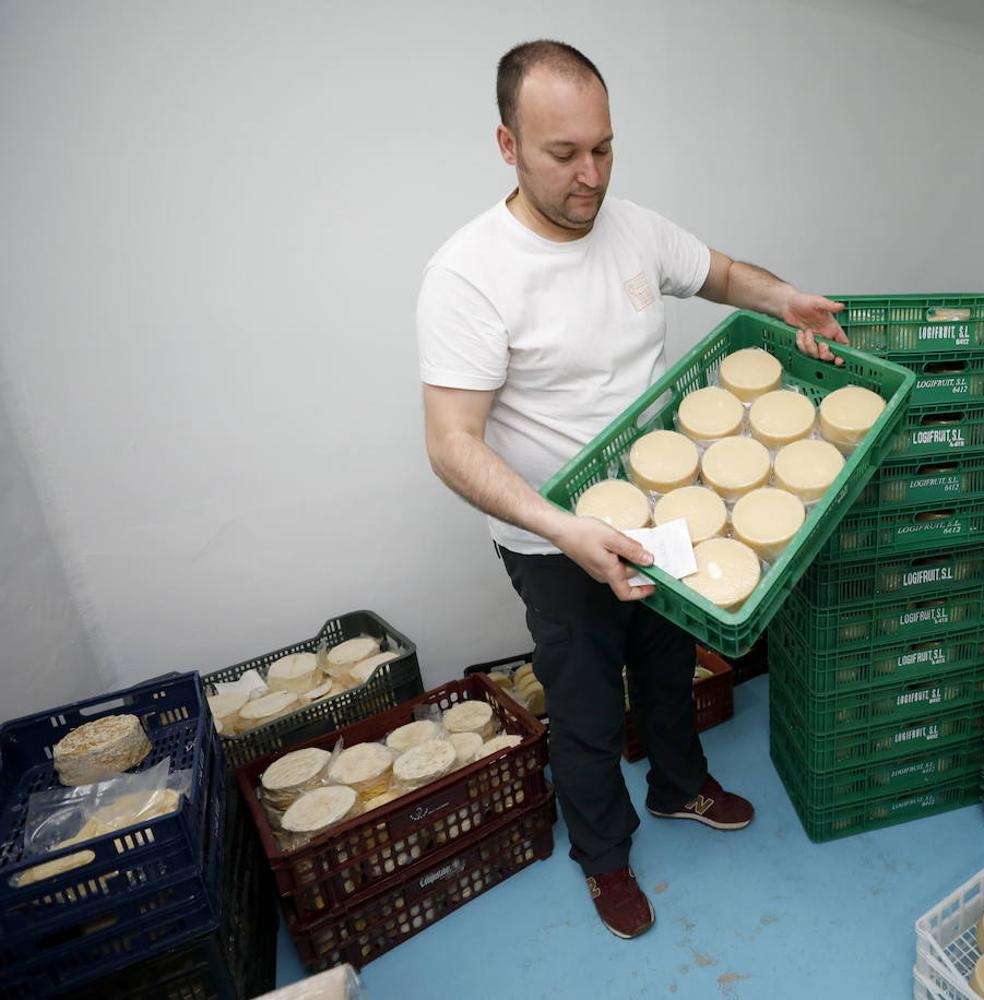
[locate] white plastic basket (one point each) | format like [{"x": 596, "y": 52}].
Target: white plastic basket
[
  {"x": 922, "y": 988},
  {"x": 946, "y": 942}
]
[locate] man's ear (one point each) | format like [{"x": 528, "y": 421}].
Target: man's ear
[{"x": 507, "y": 144}]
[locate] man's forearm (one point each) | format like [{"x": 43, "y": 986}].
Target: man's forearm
[
  {"x": 476, "y": 473},
  {"x": 748, "y": 286}
]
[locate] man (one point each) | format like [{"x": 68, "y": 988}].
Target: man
[{"x": 538, "y": 323}]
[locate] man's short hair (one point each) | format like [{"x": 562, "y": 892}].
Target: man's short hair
[{"x": 518, "y": 61}]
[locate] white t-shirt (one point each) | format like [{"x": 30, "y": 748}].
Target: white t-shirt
[{"x": 566, "y": 334}]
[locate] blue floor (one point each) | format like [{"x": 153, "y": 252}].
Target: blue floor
[{"x": 761, "y": 913}]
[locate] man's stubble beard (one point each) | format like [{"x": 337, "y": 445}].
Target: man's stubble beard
[{"x": 556, "y": 215}]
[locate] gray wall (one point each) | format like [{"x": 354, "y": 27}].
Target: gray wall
[{"x": 214, "y": 217}]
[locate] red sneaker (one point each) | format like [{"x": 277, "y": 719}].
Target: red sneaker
[
  {"x": 714, "y": 807},
  {"x": 620, "y": 903}
]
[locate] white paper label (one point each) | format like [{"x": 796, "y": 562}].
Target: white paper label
[{"x": 671, "y": 550}]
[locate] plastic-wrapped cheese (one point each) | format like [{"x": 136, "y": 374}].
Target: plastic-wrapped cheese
[
  {"x": 727, "y": 572},
  {"x": 781, "y": 417},
  {"x": 319, "y": 691},
  {"x": 470, "y": 717},
  {"x": 750, "y": 373},
  {"x": 709, "y": 414},
  {"x": 366, "y": 767},
  {"x": 345, "y": 655},
  {"x": 807, "y": 468},
  {"x": 663, "y": 461},
  {"x": 265, "y": 709},
  {"x": 99, "y": 749},
  {"x": 734, "y": 466},
  {"x": 505, "y": 742},
  {"x": 411, "y": 734},
  {"x": 703, "y": 510},
  {"x": 424, "y": 763},
  {"x": 847, "y": 414},
  {"x": 361, "y": 672},
  {"x": 766, "y": 520},
  {"x": 288, "y": 777},
  {"x": 320, "y": 809},
  {"x": 225, "y": 709},
  {"x": 617, "y": 503},
  {"x": 296, "y": 672},
  {"x": 466, "y": 745}
]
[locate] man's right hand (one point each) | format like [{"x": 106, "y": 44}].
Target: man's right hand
[{"x": 596, "y": 548}]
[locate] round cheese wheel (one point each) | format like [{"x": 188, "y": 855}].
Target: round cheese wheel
[
  {"x": 361, "y": 672},
  {"x": 267, "y": 708},
  {"x": 847, "y": 414},
  {"x": 703, "y": 510},
  {"x": 727, "y": 572},
  {"x": 470, "y": 717},
  {"x": 225, "y": 709},
  {"x": 781, "y": 417},
  {"x": 663, "y": 461},
  {"x": 807, "y": 468},
  {"x": 617, "y": 503},
  {"x": 750, "y": 373},
  {"x": 465, "y": 745},
  {"x": 522, "y": 671},
  {"x": 505, "y": 742},
  {"x": 294, "y": 672},
  {"x": 411, "y": 734},
  {"x": 980, "y": 931},
  {"x": 766, "y": 520},
  {"x": 709, "y": 414},
  {"x": 319, "y": 809},
  {"x": 319, "y": 691},
  {"x": 424, "y": 762},
  {"x": 100, "y": 749},
  {"x": 366, "y": 767},
  {"x": 293, "y": 774},
  {"x": 347, "y": 654},
  {"x": 734, "y": 466}
]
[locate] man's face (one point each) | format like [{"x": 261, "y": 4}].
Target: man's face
[{"x": 562, "y": 147}]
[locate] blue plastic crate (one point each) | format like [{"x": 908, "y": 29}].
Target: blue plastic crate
[{"x": 149, "y": 886}]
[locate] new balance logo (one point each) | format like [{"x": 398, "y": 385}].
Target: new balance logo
[{"x": 700, "y": 805}]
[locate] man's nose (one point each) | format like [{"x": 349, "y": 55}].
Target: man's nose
[{"x": 588, "y": 173}]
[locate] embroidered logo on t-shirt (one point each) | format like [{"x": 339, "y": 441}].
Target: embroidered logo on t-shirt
[{"x": 639, "y": 292}]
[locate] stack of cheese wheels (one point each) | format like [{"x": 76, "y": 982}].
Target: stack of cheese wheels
[
  {"x": 703, "y": 510},
  {"x": 736, "y": 466},
  {"x": 847, "y": 414},
  {"x": 710, "y": 414},
  {"x": 466, "y": 746},
  {"x": 766, "y": 520},
  {"x": 413, "y": 733},
  {"x": 296, "y": 672},
  {"x": 471, "y": 717},
  {"x": 343, "y": 657},
  {"x": 617, "y": 503},
  {"x": 290, "y": 776},
  {"x": 781, "y": 417},
  {"x": 505, "y": 742},
  {"x": 99, "y": 749},
  {"x": 319, "y": 691},
  {"x": 424, "y": 763},
  {"x": 531, "y": 692},
  {"x": 807, "y": 468},
  {"x": 225, "y": 710},
  {"x": 366, "y": 767},
  {"x": 663, "y": 461},
  {"x": 750, "y": 373},
  {"x": 381, "y": 800},
  {"x": 362, "y": 671},
  {"x": 318, "y": 810},
  {"x": 727, "y": 572},
  {"x": 266, "y": 708}
]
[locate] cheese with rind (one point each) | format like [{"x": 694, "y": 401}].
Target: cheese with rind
[
  {"x": 734, "y": 466},
  {"x": 361, "y": 672},
  {"x": 709, "y": 414},
  {"x": 750, "y": 373},
  {"x": 662, "y": 461},
  {"x": 265, "y": 709},
  {"x": 766, "y": 520},
  {"x": 99, "y": 749},
  {"x": 470, "y": 717},
  {"x": 424, "y": 763},
  {"x": 366, "y": 767},
  {"x": 505, "y": 742},
  {"x": 703, "y": 510},
  {"x": 320, "y": 809},
  {"x": 617, "y": 503},
  {"x": 411, "y": 734},
  {"x": 781, "y": 417},
  {"x": 727, "y": 572},
  {"x": 807, "y": 468},
  {"x": 847, "y": 414},
  {"x": 297, "y": 672}
]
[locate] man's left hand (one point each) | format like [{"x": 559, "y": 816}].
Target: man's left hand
[{"x": 812, "y": 315}]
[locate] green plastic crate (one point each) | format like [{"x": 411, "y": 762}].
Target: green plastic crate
[
  {"x": 882, "y": 620},
  {"x": 900, "y": 326},
  {"x": 823, "y": 823},
  {"x": 924, "y": 484},
  {"x": 846, "y": 711},
  {"x": 872, "y": 666},
  {"x": 734, "y": 632},
  {"x": 947, "y": 379},
  {"x": 938, "y": 432},
  {"x": 892, "y": 531},
  {"x": 849, "y": 785},
  {"x": 933, "y": 572},
  {"x": 873, "y": 743}
]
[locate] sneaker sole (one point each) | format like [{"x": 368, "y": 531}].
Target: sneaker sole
[
  {"x": 699, "y": 819},
  {"x": 629, "y": 937}
]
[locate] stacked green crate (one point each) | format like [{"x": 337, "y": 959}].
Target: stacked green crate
[{"x": 876, "y": 660}]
